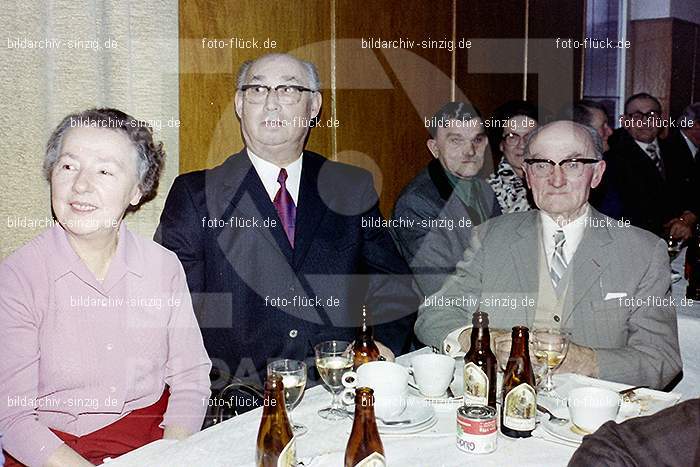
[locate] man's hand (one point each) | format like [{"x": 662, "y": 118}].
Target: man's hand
[
  {"x": 580, "y": 360},
  {"x": 681, "y": 228}
]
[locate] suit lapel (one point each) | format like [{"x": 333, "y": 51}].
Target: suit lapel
[
  {"x": 243, "y": 195},
  {"x": 525, "y": 251},
  {"x": 589, "y": 262},
  {"x": 310, "y": 207}
]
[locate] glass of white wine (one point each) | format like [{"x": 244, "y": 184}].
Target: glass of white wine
[
  {"x": 293, "y": 374},
  {"x": 550, "y": 347},
  {"x": 333, "y": 359}
]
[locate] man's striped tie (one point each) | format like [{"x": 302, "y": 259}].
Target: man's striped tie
[
  {"x": 655, "y": 158},
  {"x": 558, "y": 266}
]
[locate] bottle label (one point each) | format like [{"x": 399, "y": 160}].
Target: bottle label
[
  {"x": 373, "y": 460},
  {"x": 476, "y": 385},
  {"x": 288, "y": 456},
  {"x": 520, "y": 406}
]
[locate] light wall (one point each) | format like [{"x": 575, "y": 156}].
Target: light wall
[{"x": 39, "y": 86}]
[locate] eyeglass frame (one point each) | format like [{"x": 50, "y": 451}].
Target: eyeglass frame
[
  {"x": 301, "y": 90},
  {"x": 521, "y": 138},
  {"x": 644, "y": 115},
  {"x": 552, "y": 164}
]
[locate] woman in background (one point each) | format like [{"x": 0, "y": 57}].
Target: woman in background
[
  {"x": 518, "y": 119},
  {"x": 101, "y": 352}
]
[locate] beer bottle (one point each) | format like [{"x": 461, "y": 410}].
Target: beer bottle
[
  {"x": 519, "y": 404},
  {"x": 480, "y": 365},
  {"x": 275, "y": 444},
  {"x": 692, "y": 265},
  {"x": 364, "y": 350},
  {"x": 364, "y": 447}
]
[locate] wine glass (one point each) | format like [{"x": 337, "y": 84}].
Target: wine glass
[
  {"x": 550, "y": 347},
  {"x": 293, "y": 374},
  {"x": 333, "y": 359},
  {"x": 673, "y": 246}
]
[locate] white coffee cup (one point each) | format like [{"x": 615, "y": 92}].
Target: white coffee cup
[
  {"x": 388, "y": 380},
  {"x": 590, "y": 407},
  {"x": 433, "y": 373}
]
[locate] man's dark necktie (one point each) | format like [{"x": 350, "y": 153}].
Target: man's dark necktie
[{"x": 284, "y": 204}]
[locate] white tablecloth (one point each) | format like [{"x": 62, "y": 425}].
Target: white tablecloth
[
  {"x": 232, "y": 443},
  {"x": 688, "y": 335}
]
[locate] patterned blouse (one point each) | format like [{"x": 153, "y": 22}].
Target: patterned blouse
[{"x": 510, "y": 189}]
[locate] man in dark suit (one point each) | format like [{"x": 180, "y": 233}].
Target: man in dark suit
[
  {"x": 641, "y": 171},
  {"x": 281, "y": 246},
  {"x": 434, "y": 214},
  {"x": 684, "y": 166},
  {"x": 669, "y": 438}
]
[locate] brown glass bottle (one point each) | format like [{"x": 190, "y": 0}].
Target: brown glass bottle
[
  {"x": 480, "y": 365},
  {"x": 519, "y": 403},
  {"x": 364, "y": 349},
  {"x": 692, "y": 265},
  {"x": 364, "y": 447},
  {"x": 275, "y": 444}
]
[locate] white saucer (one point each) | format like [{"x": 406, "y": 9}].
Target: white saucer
[
  {"x": 417, "y": 411},
  {"x": 439, "y": 400},
  {"x": 564, "y": 432}
]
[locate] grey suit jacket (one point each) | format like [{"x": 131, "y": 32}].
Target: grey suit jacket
[
  {"x": 635, "y": 337},
  {"x": 432, "y": 226}
]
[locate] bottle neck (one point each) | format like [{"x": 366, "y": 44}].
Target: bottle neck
[
  {"x": 273, "y": 402},
  {"x": 519, "y": 348},
  {"x": 480, "y": 338}
]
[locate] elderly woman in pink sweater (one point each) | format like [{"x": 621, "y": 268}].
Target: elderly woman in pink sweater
[{"x": 101, "y": 352}]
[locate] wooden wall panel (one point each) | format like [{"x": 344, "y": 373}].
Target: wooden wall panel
[
  {"x": 560, "y": 72},
  {"x": 685, "y": 66},
  {"x": 651, "y": 50},
  {"x": 209, "y": 130},
  {"x": 380, "y": 97},
  {"x": 496, "y": 29},
  {"x": 385, "y": 126}
]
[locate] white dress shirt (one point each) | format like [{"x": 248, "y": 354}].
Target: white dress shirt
[
  {"x": 573, "y": 232},
  {"x": 268, "y": 173},
  {"x": 693, "y": 148},
  {"x": 645, "y": 145}
]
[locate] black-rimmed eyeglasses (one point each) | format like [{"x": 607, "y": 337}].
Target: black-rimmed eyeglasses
[
  {"x": 286, "y": 93},
  {"x": 572, "y": 168}
]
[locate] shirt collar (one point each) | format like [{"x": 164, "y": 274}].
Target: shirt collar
[
  {"x": 644, "y": 145},
  {"x": 693, "y": 148},
  {"x": 63, "y": 258},
  {"x": 573, "y": 231},
  {"x": 268, "y": 173}
]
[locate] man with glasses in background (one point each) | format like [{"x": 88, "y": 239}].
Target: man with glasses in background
[
  {"x": 279, "y": 244},
  {"x": 642, "y": 172},
  {"x": 565, "y": 266}
]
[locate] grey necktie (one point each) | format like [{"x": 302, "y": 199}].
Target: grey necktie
[
  {"x": 653, "y": 152},
  {"x": 558, "y": 263}
]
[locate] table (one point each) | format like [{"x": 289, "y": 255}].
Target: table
[
  {"x": 232, "y": 443},
  {"x": 688, "y": 334}
]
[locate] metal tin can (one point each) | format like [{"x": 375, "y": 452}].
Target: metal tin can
[{"x": 476, "y": 429}]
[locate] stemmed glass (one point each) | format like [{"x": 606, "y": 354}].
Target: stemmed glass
[
  {"x": 333, "y": 359},
  {"x": 550, "y": 347},
  {"x": 673, "y": 246},
  {"x": 293, "y": 374}
]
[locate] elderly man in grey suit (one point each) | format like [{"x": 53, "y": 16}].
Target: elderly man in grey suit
[
  {"x": 435, "y": 212},
  {"x": 566, "y": 265}
]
